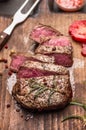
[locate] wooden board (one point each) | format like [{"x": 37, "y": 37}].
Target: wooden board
[{"x": 11, "y": 118}]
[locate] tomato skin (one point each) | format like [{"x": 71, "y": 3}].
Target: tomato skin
[
  {"x": 79, "y": 39},
  {"x": 77, "y": 30}
]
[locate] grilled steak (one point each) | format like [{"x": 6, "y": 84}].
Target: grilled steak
[
  {"x": 43, "y": 93},
  {"x": 42, "y": 86},
  {"x": 59, "y": 48},
  {"x": 43, "y": 83},
  {"x": 42, "y": 33}
]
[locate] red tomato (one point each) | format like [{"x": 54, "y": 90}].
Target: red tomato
[{"x": 78, "y": 31}]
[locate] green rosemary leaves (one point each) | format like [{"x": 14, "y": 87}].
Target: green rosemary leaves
[
  {"x": 82, "y": 118},
  {"x": 78, "y": 104},
  {"x": 51, "y": 93},
  {"x": 41, "y": 88},
  {"x": 40, "y": 91}
]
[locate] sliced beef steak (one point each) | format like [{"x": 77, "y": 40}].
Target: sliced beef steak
[
  {"x": 41, "y": 86},
  {"x": 58, "y": 47},
  {"x": 40, "y": 63},
  {"x": 42, "y": 33},
  {"x": 25, "y": 72},
  {"x": 43, "y": 83},
  {"x": 18, "y": 60},
  {"x": 36, "y": 69},
  {"x": 43, "y": 93}
]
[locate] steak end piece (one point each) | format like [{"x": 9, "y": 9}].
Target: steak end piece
[
  {"x": 43, "y": 93},
  {"x": 16, "y": 62},
  {"x": 42, "y": 33}
]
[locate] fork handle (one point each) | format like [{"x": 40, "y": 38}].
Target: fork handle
[{"x": 3, "y": 39}]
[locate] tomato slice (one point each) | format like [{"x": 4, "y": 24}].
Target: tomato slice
[{"x": 78, "y": 30}]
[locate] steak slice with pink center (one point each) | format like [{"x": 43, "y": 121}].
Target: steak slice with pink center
[
  {"x": 42, "y": 33},
  {"x": 58, "y": 47},
  {"x": 35, "y": 69},
  {"x": 25, "y": 72},
  {"x": 18, "y": 60}
]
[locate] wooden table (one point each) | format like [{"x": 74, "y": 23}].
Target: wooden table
[{"x": 13, "y": 118}]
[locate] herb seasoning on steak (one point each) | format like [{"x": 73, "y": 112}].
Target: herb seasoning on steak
[
  {"x": 32, "y": 93},
  {"x": 42, "y": 86}
]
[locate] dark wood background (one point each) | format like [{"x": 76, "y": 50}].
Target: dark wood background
[{"x": 12, "y": 117}]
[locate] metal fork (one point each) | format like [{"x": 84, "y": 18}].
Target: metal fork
[{"x": 18, "y": 17}]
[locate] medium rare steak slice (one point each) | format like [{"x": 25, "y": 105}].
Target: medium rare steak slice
[
  {"x": 18, "y": 60},
  {"x": 25, "y": 72},
  {"x": 28, "y": 67},
  {"x": 58, "y": 47},
  {"x": 43, "y": 93},
  {"x": 42, "y": 67},
  {"x": 42, "y": 33}
]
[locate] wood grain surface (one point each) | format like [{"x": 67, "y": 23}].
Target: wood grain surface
[{"x": 12, "y": 116}]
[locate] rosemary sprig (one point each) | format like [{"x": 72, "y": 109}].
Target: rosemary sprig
[
  {"x": 35, "y": 88},
  {"x": 54, "y": 82},
  {"x": 51, "y": 93},
  {"x": 82, "y": 118},
  {"x": 34, "y": 84},
  {"x": 40, "y": 90},
  {"x": 78, "y": 104}
]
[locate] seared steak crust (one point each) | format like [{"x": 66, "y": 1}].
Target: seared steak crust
[
  {"x": 46, "y": 49},
  {"x": 44, "y": 58},
  {"x": 42, "y": 93},
  {"x": 58, "y": 69}
]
